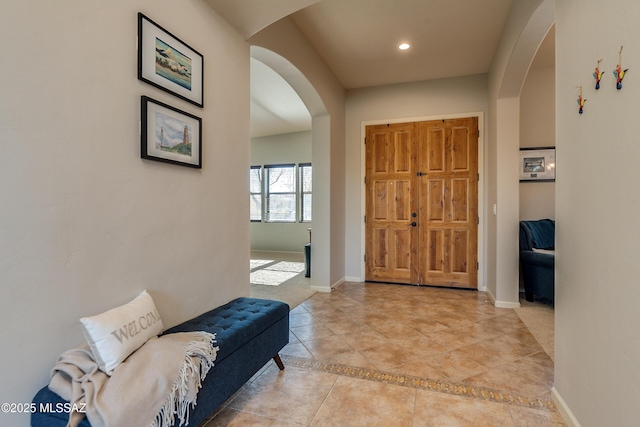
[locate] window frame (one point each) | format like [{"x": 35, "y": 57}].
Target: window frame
[
  {"x": 268, "y": 193},
  {"x": 302, "y": 193},
  {"x": 260, "y": 194}
]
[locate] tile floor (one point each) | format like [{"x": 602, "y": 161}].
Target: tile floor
[{"x": 391, "y": 355}]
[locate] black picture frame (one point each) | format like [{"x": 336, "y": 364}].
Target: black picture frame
[
  {"x": 538, "y": 164},
  {"x": 169, "y": 135},
  {"x": 168, "y": 63}
]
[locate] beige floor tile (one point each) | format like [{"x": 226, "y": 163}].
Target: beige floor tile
[
  {"x": 363, "y": 339},
  {"x": 515, "y": 377},
  {"x": 498, "y": 351},
  {"x": 419, "y": 369},
  {"x": 346, "y": 325},
  {"x": 328, "y": 348},
  {"x": 311, "y": 332},
  {"x": 441, "y": 409},
  {"x": 293, "y": 395},
  {"x": 387, "y": 357},
  {"x": 452, "y": 338},
  {"x": 540, "y": 360},
  {"x": 418, "y": 350},
  {"x": 352, "y": 358},
  {"x": 443, "y": 336},
  {"x": 296, "y": 349},
  {"x": 455, "y": 366},
  {"x": 392, "y": 329},
  {"x": 233, "y": 418},
  {"x": 355, "y": 402},
  {"x": 527, "y": 417},
  {"x": 300, "y": 319}
]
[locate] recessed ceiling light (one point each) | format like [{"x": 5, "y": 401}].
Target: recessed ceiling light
[{"x": 404, "y": 46}]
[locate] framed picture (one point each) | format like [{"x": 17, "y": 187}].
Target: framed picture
[
  {"x": 168, "y": 63},
  {"x": 170, "y": 135},
  {"x": 538, "y": 164}
]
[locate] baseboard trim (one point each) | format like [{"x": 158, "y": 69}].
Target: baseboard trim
[
  {"x": 506, "y": 304},
  {"x": 353, "y": 279},
  {"x": 501, "y": 304},
  {"x": 563, "y": 408},
  {"x": 320, "y": 288}
]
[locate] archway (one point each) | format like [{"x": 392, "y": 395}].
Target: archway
[
  {"x": 505, "y": 104},
  {"x": 320, "y": 141}
]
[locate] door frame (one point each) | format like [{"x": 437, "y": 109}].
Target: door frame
[{"x": 482, "y": 271}]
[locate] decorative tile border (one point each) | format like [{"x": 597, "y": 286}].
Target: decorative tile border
[{"x": 421, "y": 383}]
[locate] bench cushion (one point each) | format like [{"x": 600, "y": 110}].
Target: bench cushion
[{"x": 236, "y": 322}]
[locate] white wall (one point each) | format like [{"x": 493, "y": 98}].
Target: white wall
[
  {"x": 597, "y": 348},
  {"x": 85, "y": 224},
  {"x": 279, "y": 149},
  {"x": 537, "y": 129},
  {"x": 404, "y": 101}
]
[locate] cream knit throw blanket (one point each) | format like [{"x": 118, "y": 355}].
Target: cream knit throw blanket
[{"x": 156, "y": 383}]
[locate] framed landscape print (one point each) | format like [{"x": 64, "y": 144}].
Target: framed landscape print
[
  {"x": 537, "y": 164},
  {"x": 168, "y": 63},
  {"x": 170, "y": 135}
]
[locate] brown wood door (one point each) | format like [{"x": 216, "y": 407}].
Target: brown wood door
[
  {"x": 422, "y": 203},
  {"x": 391, "y": 199},
  {"x": 449, "y": 202}
]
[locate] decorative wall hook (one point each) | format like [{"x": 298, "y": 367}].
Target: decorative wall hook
[
  {"x": 581, "y": 101},
  {"x": 598, "y": 74},
  {"x": 619, "y": 72}
]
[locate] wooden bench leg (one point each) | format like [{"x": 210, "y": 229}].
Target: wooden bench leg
[{"x": 278, "y": 361}]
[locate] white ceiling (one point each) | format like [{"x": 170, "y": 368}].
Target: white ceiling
[
  {"x": 358, "y": 40},
  {"x": 275, "y": 107}
]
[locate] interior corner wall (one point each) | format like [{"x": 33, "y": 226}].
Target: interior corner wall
[
  {"x": 85, "y": 223},
  {"x": 273, "y": 150},
  {"x": 507, "y": 206},
  {"x": 537, "y": 129},
  {"x": 597, "y": 346},
  {"x": 409, "y": 101}
]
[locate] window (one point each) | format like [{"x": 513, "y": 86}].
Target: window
[
  {"x": 255, "y": 191},
  {"x": 304, "y": 170},
  {"x": 280, "y": 193}
]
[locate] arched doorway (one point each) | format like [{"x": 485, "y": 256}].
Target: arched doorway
[{"x": 320, "y": 141}]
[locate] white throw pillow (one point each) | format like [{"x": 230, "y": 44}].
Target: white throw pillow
[{"x": 115, "y": 334}]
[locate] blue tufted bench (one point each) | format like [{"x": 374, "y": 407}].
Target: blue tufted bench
[{"x": 249, "y": 332}]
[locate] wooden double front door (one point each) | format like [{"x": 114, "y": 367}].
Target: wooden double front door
[{"x": 422, "y": 203}]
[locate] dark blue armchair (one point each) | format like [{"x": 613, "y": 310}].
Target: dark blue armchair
[{"x": 538, "y": 267}]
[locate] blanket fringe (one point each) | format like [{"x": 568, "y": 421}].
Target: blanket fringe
[{"x": 198, "y": 361}]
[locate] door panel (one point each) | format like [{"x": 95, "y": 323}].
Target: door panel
[
  {"x": 422, "y": 202},
  {"x": 434, "y": 193},
  {"x": 452, "y": 236},
  {"x": 459, "y": 197},
  {"x": 391, "y": 201}
]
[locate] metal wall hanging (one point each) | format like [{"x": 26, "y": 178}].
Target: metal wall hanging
[
  {"x": 581, "y": 101},
  {"x": 619, "y": 72},
  {"x": 598, "y": 74}
]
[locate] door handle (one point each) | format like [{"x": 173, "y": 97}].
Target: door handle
[{"x": 413, "y": 224}]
